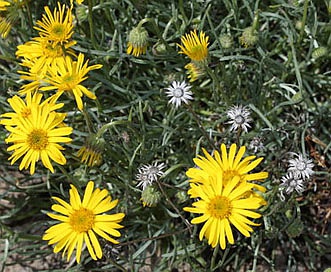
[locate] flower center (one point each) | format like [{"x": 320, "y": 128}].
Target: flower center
[
  {"x": 178, "y": 92},
  {"x": 82, "y": 220},
  {"x": 292, "y": 183},
  {"x": 26, "y": 112},
  {"x": 239, "y": 119},
  {"x": 58, "y": 30},
  {"x": 38, "y": 139},
  {"x": 153, "y": 170},
  {"x": 198, "y": 52},
  {"x": 301, "y": 166},
  {"x": 220, "y": 207},
  {"x": 68, "y": 82}
]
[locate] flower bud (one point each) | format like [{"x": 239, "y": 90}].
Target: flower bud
[
  {"x": 138, "y": 40},
  {"x": 226, "y": 41},
  {"x": 150, "y": 196},
  {"x": 319, "y": 52},
  {"x": 91, "y": 152},
  {"x": 249, "y": 37}
]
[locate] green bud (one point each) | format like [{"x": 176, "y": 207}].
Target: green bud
[
  {"x": 249, "y": 37},
  {"x": 226, "y": 41},
  {"x": 82, "y": 13},
  {"x": 150, "y": 196},
  {"x": 319, "y": 52}
]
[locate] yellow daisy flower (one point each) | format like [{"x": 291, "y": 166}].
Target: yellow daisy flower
[
  {"x": 65, "y": 75},
  {"x": 80, "y": 221},
  {"x": 194, "y": 46},
  {"x": 138, "y": 41},
  {"x": 36, "y": 76},
  {"x": 229, "y": 164},
  {"x": 56, "y": 27},
  {"x": 37, "y": 136},
  {"x": 222, "y": 205}
]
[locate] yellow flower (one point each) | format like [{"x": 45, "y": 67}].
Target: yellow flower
[
  {"x": 56, "y": 27},
  {"x": 3, "y": 5},
  {"x": 44, "y": 49},
  {"x": 91, "y": 152},
  {"x": 38, "y": 135},
  {"x": 22, "y": 109},
  {"x": 65, "y": 75},
  {"x": 222, "y": 205},
  {"x": 80, "y": 221},
  {"x": 229, "y": 165},
  {"x": 138, "y": 41},
  {"x": 194, "y": 46}
]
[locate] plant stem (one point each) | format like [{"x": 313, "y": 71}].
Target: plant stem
[
  {"x": 103, "y": 129},
  {"x": 174, "y": 207},
  {"x": 90, "y": 21},
  {"x": 195, "y": 116},
  {"x": 213, "y": 258},
  {"x": 303, "y": 22}
]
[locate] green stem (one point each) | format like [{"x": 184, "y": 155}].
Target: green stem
[
  {"x": 182, "y": 11},
  {"x": 29, "y": 14},
  {"x": 103, "y": 129},
  {"x": 304, "y": 18},
  {"x": 213, "y": 258},
  {"x": 87, "y": 120},
  {"x": 255, "y": 22},
  {"x": 195, "y": 116},
  {"x": 217, "y": 85},
  {"x": 174, "y": 207},
  {"x": 90, "y": 21}
]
